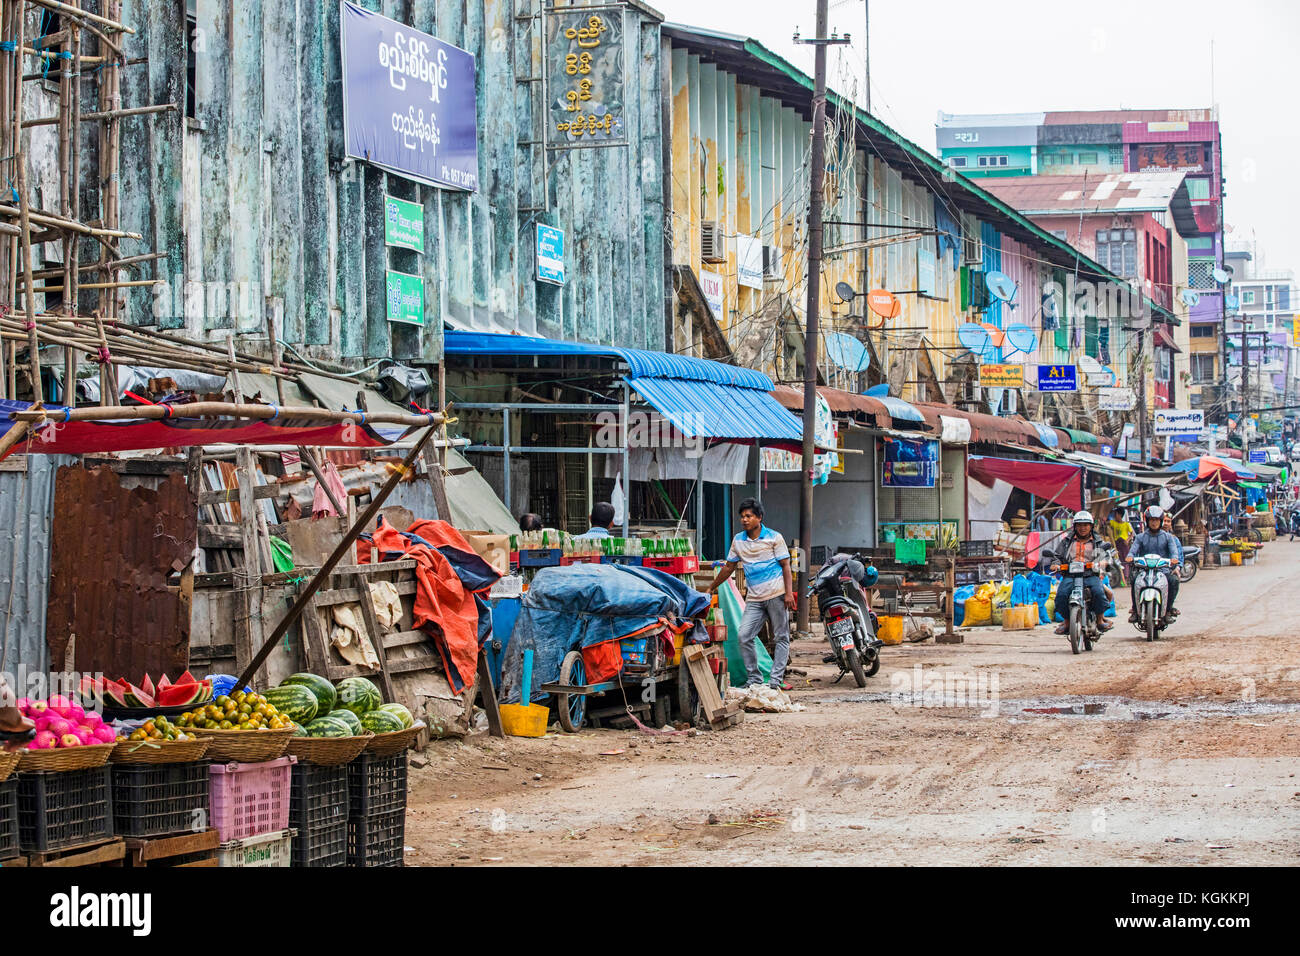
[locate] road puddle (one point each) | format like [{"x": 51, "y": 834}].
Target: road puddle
[{"x": 1102, "y": 708}]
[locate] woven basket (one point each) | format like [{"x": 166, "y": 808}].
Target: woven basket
[
  {"x": 328, "y": 751},
  {"x": 160, "y": 751},
  {"x": 245, "y": 746},
  {"x": 394, "y": 742},
  {"x": 8, "y": 760},
  {"x": 71, "y": 758}
]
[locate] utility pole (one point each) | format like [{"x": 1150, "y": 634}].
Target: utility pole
[
  {"x": 1245, "y": 386},
  {"x": 866, "y": 52},
  {"x": 1142, "y": 395},
  {"x": 815, "y": 179}
]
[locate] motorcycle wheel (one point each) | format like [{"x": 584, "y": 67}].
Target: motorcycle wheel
[
  {"x": 1252, "y": 535},
  {"x": 1076, "y": 630},
  {"x": 1187, "y": 571},
  {"x": 873, "y": 664},
  {"x": 1150, "y": 625},
  {"x": 854, "y": 663}
]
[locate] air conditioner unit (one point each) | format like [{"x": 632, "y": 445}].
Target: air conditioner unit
[
  {"x": 713, "y": 243},
  {"x": 772, "y": 262}
]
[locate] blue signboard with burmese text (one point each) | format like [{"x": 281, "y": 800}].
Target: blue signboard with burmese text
[
  {"x": 408, "y": 101},
  {"x": 1058, "y": 378}
]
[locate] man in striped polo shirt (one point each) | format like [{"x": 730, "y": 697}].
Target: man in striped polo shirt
[{"x": 769, "y": 591}]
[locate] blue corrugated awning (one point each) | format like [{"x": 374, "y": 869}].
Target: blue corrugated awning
[
  {"x": 700, "y": 397},
  {"x": 1048, "y": 435},
  {"x": 899, "y": 410}
]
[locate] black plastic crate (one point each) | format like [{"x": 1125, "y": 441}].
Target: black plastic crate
[
  {"x": 376, "y": 785},
  {"x": 57, "y": 810},
  {"x": 153, "y": 799},
  {"x": 9, "y": 819},
  {"x": 377, "y": 840},
  {"x": 321, "y": 846},
  {"x": 318, "y": 796},
  {"x": 976, "y": 549}
]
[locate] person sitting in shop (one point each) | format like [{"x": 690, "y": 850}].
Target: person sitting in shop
[
  {"x": 530, "y": 522},
  {"x": 602, "y": 520}
]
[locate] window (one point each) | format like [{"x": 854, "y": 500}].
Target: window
[
  {"x": 1202, "y": 332},
  {"x": 1203, "y": 367},
  {"x": 1247, "y": 296},
  {"x": 1116, "y": 155},
  {"x": 1051, "y": 159},
  {"x": 1200, "y": 274},
  {"x": 957, "y": 162},
  {"x": 191, "y": 60},
  {"x": 1163, "y": 365},
  {"x": 1059, "y": 233},
  {"x": 1198, "y": 187},
  {"x": 993, "y": 160},
  {"x": 1117, "y": 251},
  {"x": 1087, "y": 159}
]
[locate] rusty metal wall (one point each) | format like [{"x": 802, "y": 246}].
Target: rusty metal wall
[
  {"x": 112, "y": 550},
  {"x": 26, "y": 501}
]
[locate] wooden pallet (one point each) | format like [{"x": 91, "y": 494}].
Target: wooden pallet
[
  {"x": 177, "y": 849},
  {"x": 100, "y": 853},
  {"x": 719, "y": 713}
]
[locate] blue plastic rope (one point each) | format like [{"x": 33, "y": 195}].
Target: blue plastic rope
[
  {"x": 276, "y": 409},
  {"x": 8, "y": 46}
]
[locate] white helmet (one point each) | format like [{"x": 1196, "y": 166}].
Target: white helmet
[
  {"x": 1084, "y": 517},
  {"x": 1155, "y": 512}
]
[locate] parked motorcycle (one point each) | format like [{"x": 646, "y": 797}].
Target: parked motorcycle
[
  {"x": 849, "y": 622},
  {"x": 1084, "y": 628},
  {"x": 1152, "y": 589},
  {"x": 1191, "y": 564}
]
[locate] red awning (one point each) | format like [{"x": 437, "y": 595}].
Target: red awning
[
  {"x": 1061, "y": 484},
  {"x": 1164, "y": 339}
]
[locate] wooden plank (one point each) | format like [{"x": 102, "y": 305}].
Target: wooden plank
[
  {"x": 248, "y": 631},
  {"x": 260, "y": 492},
  {"x": 705, "y": 683},
  {"x": 156, "y": 848},
  {"x": 404, "y": 638},
  {"x": 488, "y": 694},
  {"x": 106, "y": 852},
  {"x": 376, "y": 637},
  {"x": 423, "y": 663}
]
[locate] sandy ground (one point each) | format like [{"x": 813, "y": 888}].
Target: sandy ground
[{"x": 1183, "y": 751}]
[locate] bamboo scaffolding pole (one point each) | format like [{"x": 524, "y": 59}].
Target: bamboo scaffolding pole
[
  {"x": 193, "y": 410},
  {"x": 58, "y": 222},
  {"x": 85, "y": 15},
  {"x": 102, "y": 115},
  {"x": 95, "y": 266},
  {"x": 29, "y": 303},
  {"x": 124, "y": 284}
]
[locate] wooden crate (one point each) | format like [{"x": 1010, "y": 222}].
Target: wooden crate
[
  {"x": 101, "y": 853},
  {"x": 177, "y": 849}
]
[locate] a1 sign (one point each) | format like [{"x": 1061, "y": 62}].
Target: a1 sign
[{"x": 1058, "y": 378}]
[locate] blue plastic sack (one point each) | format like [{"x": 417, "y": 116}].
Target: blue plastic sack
[{"x": 959, "y": 597}]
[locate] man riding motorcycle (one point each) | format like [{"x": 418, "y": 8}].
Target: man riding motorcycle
[
  {"x": 1084, "y": 545},
  {"x": 1154, "y": 539}
]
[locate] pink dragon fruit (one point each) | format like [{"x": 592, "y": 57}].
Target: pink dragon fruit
[
  {"x": 76, "y": 714},
  {"x": 104, "y": 734},
  {"x": 43, "y": 723},
  {"x": 59, "y": 726}
]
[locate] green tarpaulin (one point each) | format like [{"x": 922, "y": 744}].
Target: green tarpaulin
[{"x": 732, "y": 607}]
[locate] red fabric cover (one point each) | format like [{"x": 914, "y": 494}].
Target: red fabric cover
[
  {"x": 602, "y": 661},
  {"x": 1062, "y": 484},
  {"x": 86, "y": 438},
  {"x": 443, "y": 605}
]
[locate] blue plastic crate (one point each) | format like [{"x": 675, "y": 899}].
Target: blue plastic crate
[
  {"x": 540, "y": 557},
  {"x": 635, "y": 561}
]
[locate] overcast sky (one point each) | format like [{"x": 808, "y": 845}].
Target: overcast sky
[{"x": 1012, "y": 56}]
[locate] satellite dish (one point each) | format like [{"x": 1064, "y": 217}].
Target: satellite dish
[
  {"x": 884, "y": 304},
  {"x": 1001, "y": 285},
  {"x": 845, "y": 292},
  {"x": 975, "y": 337},
  {"x": 846, "y": 352},
  {"x": 1021, "y": 338},
  {"x": 1220, "y": 276},
  {"x": 1231, "y": 301},
  {"x": 996, "y": 335},
  {"x": 878, "y": 391},
  {"x": 1189, "y": 297}
]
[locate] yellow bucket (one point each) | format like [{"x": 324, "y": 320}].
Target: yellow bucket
[
  {"x": 519, "y": 720},
  {"x": 890, "y": 629},
  {"x": 1235, "y": 558}
]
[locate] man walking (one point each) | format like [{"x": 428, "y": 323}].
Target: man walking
[{"x": 769, "y": 591}]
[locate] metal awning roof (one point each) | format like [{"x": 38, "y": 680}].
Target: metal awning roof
[{"x": 700, "y": 397}]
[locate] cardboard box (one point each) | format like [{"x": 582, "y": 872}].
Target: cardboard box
[{"x": 492, "y": 548}]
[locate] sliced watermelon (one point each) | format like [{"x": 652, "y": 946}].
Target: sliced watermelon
[
  {"x": 138, "y": 697},
  {"x": 115, "y": 693},
  {"x": 164, "y": 681},
  {"x": 187, "y": 678},
  {"x": 147, "y": 686},
  {"x": 178, "y": 695}
]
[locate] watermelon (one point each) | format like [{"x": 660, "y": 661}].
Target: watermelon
[
  {"x": 164, "y": 681},
  {"x": 136, "y": 697},
  {"x": 147, "y": 686},
  {"x": 400, "y": 712},
  {"x": 299, "y": 730},
  {"x": 381, "y": 721},
  {"x": 181, "y": 695},
  {"x": 187, "y": 678},
  {"x": 114, "y": 693},
  {"x": 319, "y": 686},
  {"x": 328, "y": 727},
  {"x": 358, "y": 695},
  {"x": 349, "y": 718},
  {"x": 296, "y": 702}
]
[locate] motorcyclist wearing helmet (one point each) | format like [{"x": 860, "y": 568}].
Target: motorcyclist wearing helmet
[
  {"x": 1154, "y": 539},
  {"x": 1084, "y": 544}
]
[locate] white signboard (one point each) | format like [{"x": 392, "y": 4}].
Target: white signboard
[
  {"x": 1178, "y": 421},
  {"x": 1116, "y": 399},
  {"x": 749, "y": 261},
  {"x": 711, "y": 286}
]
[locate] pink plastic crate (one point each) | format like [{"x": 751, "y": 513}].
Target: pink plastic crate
[{"x": 250, "y": 798}]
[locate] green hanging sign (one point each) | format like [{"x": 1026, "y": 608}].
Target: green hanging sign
[
  {"x": 403, "y": 224},
  {"x": 405, "y": 297}
]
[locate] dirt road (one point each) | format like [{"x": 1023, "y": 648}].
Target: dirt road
[{"x": 1182, "y": 751}]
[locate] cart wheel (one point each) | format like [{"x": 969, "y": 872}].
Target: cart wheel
[
  {"x": 572, "y": 708},
  {"x": 661, "y": 711}
]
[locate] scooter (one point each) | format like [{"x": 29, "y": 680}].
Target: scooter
[
  {"x": 1084, "y": 628},
  {"x": 1152, "y": 589},
  {"x": 1191, "y": 564},
  {"x": 849, "y": 621}
]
